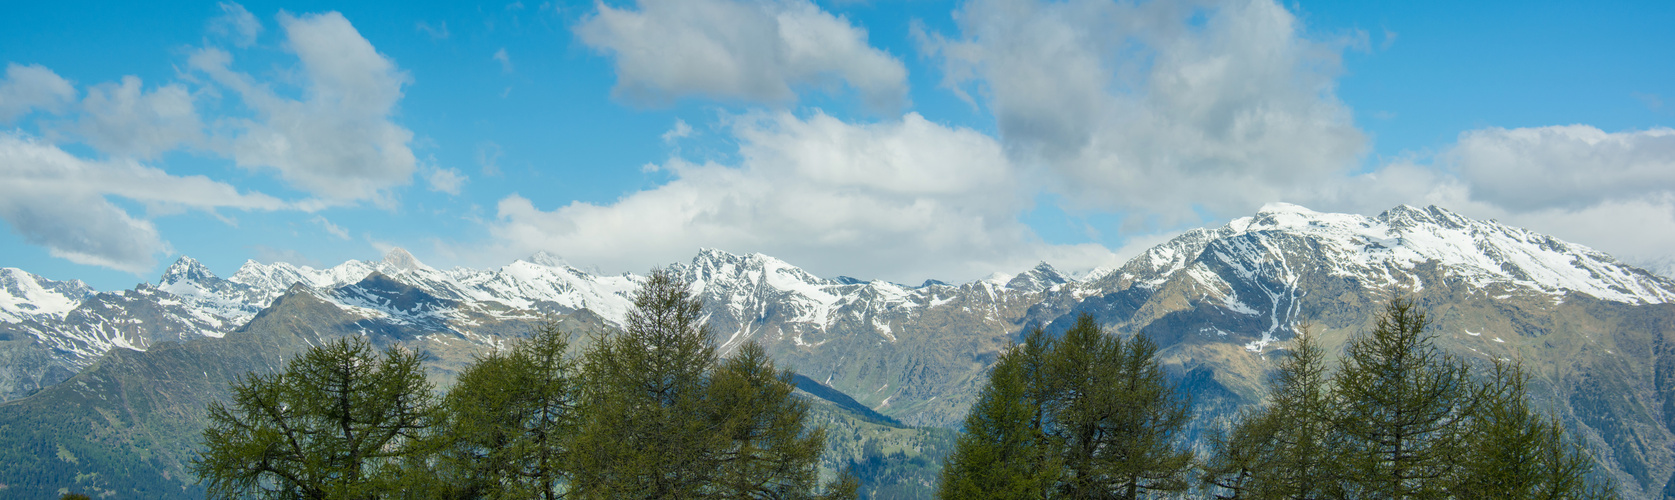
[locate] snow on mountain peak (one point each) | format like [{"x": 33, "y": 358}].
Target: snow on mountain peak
[
  {"x": 399, "y": 260},
  {"x": 186, "y": 269},
  {"x": 24, "y": 295},
  {"x": 1040, "y": 278},
  {"x": 1381, "y": 247},
  {"x": 546, "y": 259},
  {"x": 1279, "y": 207}
]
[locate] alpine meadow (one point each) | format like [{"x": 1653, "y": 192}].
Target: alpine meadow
[{"x": 837, "y": 249}]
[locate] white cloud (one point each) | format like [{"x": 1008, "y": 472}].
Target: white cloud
[
  {"x": 1158, "y": 107},
  {"x": 756, "y": 51},
  {"x": 237, "y": 24},
  {"x": 337, "y": 142},
  {"x": 57, "y": 200},
  {"x": 1568, "y": 167},
  {"x": 680, "y": 131},
  {"x": 446, "y": 180},
  {"x": 504, "y": 60},
  {"x": 1614, "y": 192},
  {"x": 333, "y": 229},
  {"x": 904, "y": 200},
  {"x": 123, "y": 120},
  {"x": 32, "y": 87}
]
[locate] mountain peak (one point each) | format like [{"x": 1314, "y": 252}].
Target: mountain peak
[
  {"x": 186, "y": 269},
  {"x": 398, "y": 259},
  {"x": 543, "y": 258},
  {"x": 1280, "y": 207},
  {"x": 1041, "y": 277},
  {"x": 1407, "y": 216}
]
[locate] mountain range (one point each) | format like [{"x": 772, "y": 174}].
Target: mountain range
[{"x": 113, "y": 375}]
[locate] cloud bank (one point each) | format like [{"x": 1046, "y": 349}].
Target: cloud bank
[
  {"x": 1156, "y": 108},
  {"x": 751, "y": 51},
  {"x": 904, "y": 199},
  {"x": 338, "y": 141}
]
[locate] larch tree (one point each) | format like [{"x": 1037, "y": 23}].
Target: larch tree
[
  {"x": 508, "y": 422},
  {"x": 1285, "y": 449},
  {"x": 338, "y": 423},
  {"x": 1004, "y": 453},
  {"x": 1089, "y": 415},
  {"x": 1403, "y": 408}
]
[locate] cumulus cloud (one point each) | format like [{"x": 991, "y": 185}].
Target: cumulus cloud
[
  {"x": 1612, "y": 191},
  {"x": 1158, "y": 107},
  {"x": 124, "y": 120},
  {"x": 1567, "y": 167},
  {"x": 906, "y": 199},
  {"x": 337, "y": 141},
  {"x": 445, "y": 180},
  {"x": 680, "y": 131},
  {"x": 237, "y": 24},
  {"x": 32, "y": 87},
  {"x": 748, "y": 50},
  {"x": 59, "y": 201}
]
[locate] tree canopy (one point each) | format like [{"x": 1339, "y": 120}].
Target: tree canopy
[
  {"x": 649, "y": 412},
  {"x": 1399, "y": 419},
  {"x": 1087, "y": 415}
]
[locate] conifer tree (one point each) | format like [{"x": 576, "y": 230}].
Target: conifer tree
[
  {"x": 1284, "y": 449},
  {"x": 1004, "y": 453},
  {"x": 1513, "y": 452},
  {"x": 768, "y": 453},
  {"x": 1403, "y": 408},
  {"x": 338, "y": 423},
  {"x": 1108, "y": 423},
  {"x": 660, "y": 418},
  {"x": 1243, "y": 457},
  {"x": 508, "y": 423},
  {"x": 644, "y": 431},
  {"x": 1119, "y": 417}
]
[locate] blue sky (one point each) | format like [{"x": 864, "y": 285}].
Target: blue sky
[{"x": 902, "y": 140}]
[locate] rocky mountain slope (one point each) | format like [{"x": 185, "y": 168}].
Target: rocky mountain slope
[{"x": 1219, "y": 301}]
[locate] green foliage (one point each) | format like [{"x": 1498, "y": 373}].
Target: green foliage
[
  {"x": 1005, "y": 452},
  {"x": 649, "y": 413},
  {"x": 1281, "y": 450},
  {"x": 336, "y": 424},
  {"x": 508, "y": 423},
  {"x": 1399, "y": 419},
  {"x": 768, "y": 453},
  {"x": 1403, "y": 408},
  {"x": 662, "y": 418},
  {"x": 1089, "y": 415},
  {"x": 1512, "y": 451}
]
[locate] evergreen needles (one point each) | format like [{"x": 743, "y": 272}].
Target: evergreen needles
[
  {"x": 1090, "y": 415},
  {"x": 650, "y": 413}
]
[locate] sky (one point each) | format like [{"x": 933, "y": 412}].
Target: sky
[{"x": 898, "y": 140}]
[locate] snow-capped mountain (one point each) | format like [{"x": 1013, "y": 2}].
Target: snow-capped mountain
[
  {"x": 1382, "y": 250},
  {"x": 26, "y": 296},
  {"x": 1217, "y": 301},
  {"x": 1255, "y": 266},
  {"x": 1250, "y": 267}
]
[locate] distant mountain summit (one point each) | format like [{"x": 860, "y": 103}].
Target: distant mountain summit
[{"x": 1598, "y": 333}]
